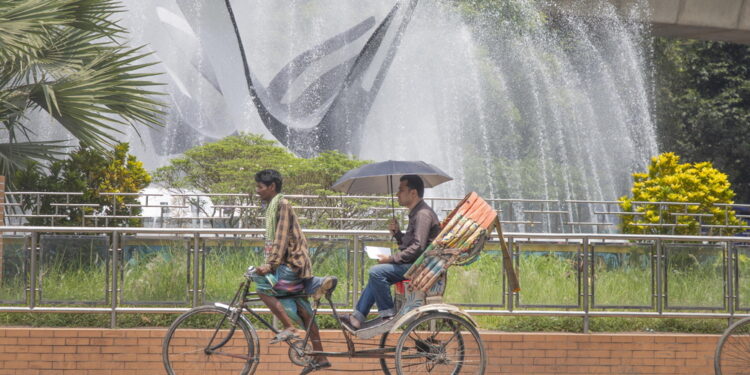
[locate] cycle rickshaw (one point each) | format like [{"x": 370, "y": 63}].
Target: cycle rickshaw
[{"x": 433, "y": 337}]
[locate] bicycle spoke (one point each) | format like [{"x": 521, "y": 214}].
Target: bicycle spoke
[
  {"x": 455, "y": 334},
  {"x": 189, "y": 352},
  {"x": 243, "y": 357}
]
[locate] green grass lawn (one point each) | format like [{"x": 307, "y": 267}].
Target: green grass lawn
[{"x": 155, "y": 273}]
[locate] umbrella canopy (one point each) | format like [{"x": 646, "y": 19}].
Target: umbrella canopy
[{"x": 383, "y": 177}]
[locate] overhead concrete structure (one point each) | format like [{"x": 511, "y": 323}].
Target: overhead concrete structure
[{"x": 726, "y": 20}]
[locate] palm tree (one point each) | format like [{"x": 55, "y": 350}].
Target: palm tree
[{"x": 66, "y": 57}]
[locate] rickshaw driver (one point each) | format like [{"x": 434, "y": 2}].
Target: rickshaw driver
[
  {"x": 287, "y": 258},
  {"x": 422, "y": 229}
]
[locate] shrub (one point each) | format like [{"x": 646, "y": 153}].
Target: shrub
[
  {"x": 90, "y": 172},
  {"x": 668, "y": 180}
]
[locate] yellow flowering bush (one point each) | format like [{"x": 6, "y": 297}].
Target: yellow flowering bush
[{"x": 668, "y": 180}]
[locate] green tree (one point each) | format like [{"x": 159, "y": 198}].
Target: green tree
[
  {"x": 92, "y": 173},
  {"x": 668, "y": 180},
  {"x": 703, "y": 105},
  {"x": 66, "y": 57},
  {"x": 228, "y": 166}
]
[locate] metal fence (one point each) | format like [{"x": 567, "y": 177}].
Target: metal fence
[
  {"x": 346, "y": 212},
  {"x": 158, "y": 270}
]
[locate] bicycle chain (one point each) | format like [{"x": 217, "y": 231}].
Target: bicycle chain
[
  {"x": 303, "y": 361},
  {"x": 333, "y": 368}
]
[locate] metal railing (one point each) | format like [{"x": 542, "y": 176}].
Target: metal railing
[
  {"x": 243, "y": 210},
  {"x": 675, "y": 276}
]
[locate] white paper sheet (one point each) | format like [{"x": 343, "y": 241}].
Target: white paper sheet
[{"x": 374, "y": 251}]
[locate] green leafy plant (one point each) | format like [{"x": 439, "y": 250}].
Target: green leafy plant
[
  {"x": 90, "y": 172},
  {"x": 668, "y": 180}
]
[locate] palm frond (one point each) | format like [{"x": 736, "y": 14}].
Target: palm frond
[
  {"x": 17, "y": 155},
  {"x": 96, "y": 15},
  {"x": 65, "y": 57},
  {"x": 28, "y": 28},
  {"x": 13, "y": 105},
  {"x": 24, "y": 27},
  {"x": 106, "y": 93}
]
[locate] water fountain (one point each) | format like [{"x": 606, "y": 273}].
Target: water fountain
[{"x": 525, "y": 102}]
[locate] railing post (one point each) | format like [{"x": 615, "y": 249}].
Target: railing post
[
  {"x": 586, "y": 285},
  {"x": 202, "y": 270},
  {"x": 196, "y": 264},
  {"x": 659, "y": 275},
  {"x": 730, "y": 261},
  {"x": 513, "y": 258},
  {"x": 116, "y": 251},
  {"x": 33, "y": 266},
  {"x": 571, "y": 218},
  {"x": 355, "y": 271}
]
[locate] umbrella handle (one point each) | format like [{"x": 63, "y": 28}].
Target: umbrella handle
[
  {"x": 390, "y": 192},
  {"x": 393, "y": 208}
]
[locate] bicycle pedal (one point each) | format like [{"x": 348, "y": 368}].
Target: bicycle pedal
[{"x": 288, "y": 339}]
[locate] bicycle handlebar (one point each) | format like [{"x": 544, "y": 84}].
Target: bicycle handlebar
[{"x": 251, "y": 272}]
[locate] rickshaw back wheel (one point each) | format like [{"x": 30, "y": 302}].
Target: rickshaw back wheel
[{"x": 441, "y": 343}]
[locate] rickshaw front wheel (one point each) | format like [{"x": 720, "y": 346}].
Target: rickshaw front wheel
[
  {"x": 440, "y": 343},
  {"x": 205, "y": 340}
]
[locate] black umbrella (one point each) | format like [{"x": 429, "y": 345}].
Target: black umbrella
[{"x": 383, "y": 177}]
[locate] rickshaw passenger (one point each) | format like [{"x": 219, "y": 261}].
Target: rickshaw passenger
[{"x": 422, "y": 229}]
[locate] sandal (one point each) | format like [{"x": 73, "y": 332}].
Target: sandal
[
  {"x": 285, "y": 335},
  {"x": 315, "y": 366},
  {"x": 326, "y": 288},
  {"x": 346, "y": 320}
]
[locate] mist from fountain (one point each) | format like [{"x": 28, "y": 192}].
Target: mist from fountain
[
  {"x": 519, "y": 105},
  {"x": 514, "y": 103}
]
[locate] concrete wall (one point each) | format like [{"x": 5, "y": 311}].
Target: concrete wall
[
  {"x": 702, "y": 19},
  {"x": 65, "y": 351}
]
